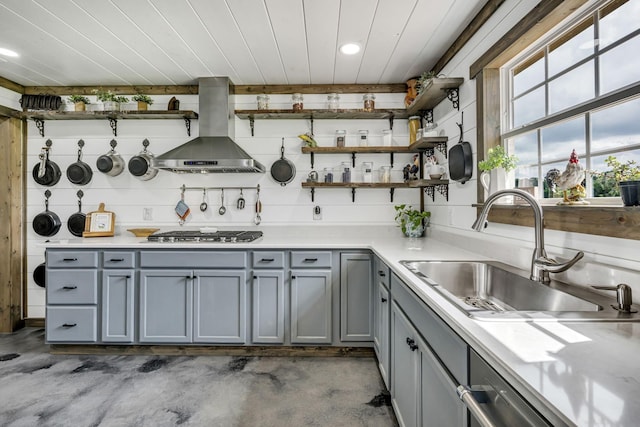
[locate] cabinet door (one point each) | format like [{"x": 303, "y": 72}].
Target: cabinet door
[
  {"x": 382, "y": 326},
  {"x": 310, "y": 306},
  {"x": 166, "y": 306},
  {"x": 268, "y": 307},
  {"x": 117, "y": 305},
  {"x": 356, "y": 297},
  {"x": 220, "y": 306},
  {"x": 404, "y": 369}
]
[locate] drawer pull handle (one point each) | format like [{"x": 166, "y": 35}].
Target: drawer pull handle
[
  {"x": 293, "y": 277},
  {"x": 412, "y": 344},
  {"x": 116, "y": 260},
  {"x": 267, "y": 260},
  {"x": 127, "y": 277},
  {"x": 383, "y": 299},
  {"x": 381, "y": 273},
  {"x": 310, "y": 260},
  {"x": 255, "y": 277},
  {"x": 69, "y": 259},
  {"x": 70, "y": 287},
  {"x": 68, "y": 325}
]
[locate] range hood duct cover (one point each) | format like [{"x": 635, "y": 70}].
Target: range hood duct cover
[{"x": 214, "y": 149}]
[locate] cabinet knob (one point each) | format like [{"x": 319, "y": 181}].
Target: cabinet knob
[
  {"x": 68, "y": 325},
  {"x": 381, "y": 273},
  {"x": 69, "y": 287},
  {"x": 383, "y": 299},
  {"x": 293, "y": 277},
  {"x": 255, "y": 277},
  {"x": 412, "y": 344}
]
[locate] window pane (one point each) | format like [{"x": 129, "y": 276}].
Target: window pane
[
  {"x": 559, "y": 140},
  {"x": 527, "y": 176},
  {"x": 618, "y": 23},
  {"x": 528, "y": 108},
  {"x": 606, "y": 186},
  {"x": 571, "y": 48},
  {"x": 528, "y": 75},
  {"x": 617, "y": 126},
  {"x": 577, "y": 86},
  {"x": 525, "y": 147},
  {"x": 619, "y": 67}
]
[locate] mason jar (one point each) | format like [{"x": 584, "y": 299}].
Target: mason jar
[
  {"x": 333, "y": 102},
  {"x": 296, "y": 102},
  {"x": 368, "y": 102},
  {"x": 263, "y": 102}
]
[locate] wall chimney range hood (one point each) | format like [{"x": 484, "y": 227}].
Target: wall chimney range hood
[{"x": 214, "y": 150}]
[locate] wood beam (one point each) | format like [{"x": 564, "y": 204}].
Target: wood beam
[
  {"x": 320, "y": 89},
  {"x": 120, "y": 90},
  {"x": 11, "y": 85},
  {"x": 488, "y": 114}
]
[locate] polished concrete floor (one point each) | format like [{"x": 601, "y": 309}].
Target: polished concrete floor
[{"x": 42, "y": 389}]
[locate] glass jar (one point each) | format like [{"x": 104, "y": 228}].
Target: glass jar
[
  {"x": 429, "y": 129},
  {"x": 345, "y": 170},
  {"x": 363, "y": 138},
  {"x": 333, "y": 102},
  {"x": 387, "y": 137},
  {"x": 385, "y": 174},
  {"x": 369, "y": 102},
  {"x": 263, "y": 102},
  {"x": 419, "y": 134},
  {"x": 328, "y": 174},
  {"x": 296, "y": 102},
  {"x": 341, "y": 136},
  {"x": 367, "y": 171},
  {"x": 414, "y": 125}
]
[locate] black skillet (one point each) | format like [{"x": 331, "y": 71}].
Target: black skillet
[
  {"x": 76, "y": 221},
  {"x": 283, "y": 170},
  {"x": 46, "y": 172},
  {"x": 46, "y": 223},
  {"x": 460, "y": 160},
  {"x": 79, "y": 173},
  {"x": 40, "y": 275}
]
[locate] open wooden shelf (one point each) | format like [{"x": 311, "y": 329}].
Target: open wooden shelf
[
  {"x": 359, "y": 150},
  {"x": 391, "y": 113},
  {"x": 436, "y": 90}
]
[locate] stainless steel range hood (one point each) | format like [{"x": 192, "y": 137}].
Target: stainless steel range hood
[{"x": 214, "y": 149}]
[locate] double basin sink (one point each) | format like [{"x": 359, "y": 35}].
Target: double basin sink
[{"x": 495, "y": 291}]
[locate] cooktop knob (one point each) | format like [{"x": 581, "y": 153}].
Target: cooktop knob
[{"x": 223, "y": 239}]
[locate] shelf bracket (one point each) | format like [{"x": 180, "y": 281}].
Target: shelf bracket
[
  {"x": 311, "y": 119},
  {"x": 428, "y": 116},
  {"x": 113, "y": 122},
  {"x": 252, "y": 123},
  {"x": 429, "y": 191},
  {"x": 187, "y": 123},
  {"x": 429, "y": 151},
  {"x": 453, "y": 96},
  {"x": 442, "y": 147},
  {"x": 391, "y": 191},
  {"x": 353, "y": 194},
  {"x": 353, "y": 160},
  {"x": 391, "y": 159},
  {"x": 312, "y": 159},
  {"x": 444, "y": 190},
  {"x": 391, "y": 122},
  {"x": 39, "y": 125},
  {"x": 313, "y": 194}
]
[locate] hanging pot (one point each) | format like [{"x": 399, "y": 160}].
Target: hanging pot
[
  {"x": 46, "y": 223},
  {"x": 79, "y": 172},
  {"x": 46, "y": 172},
  {"x": 76, "y": 221},
  {"x": 460, "y": 160},
  {"x": 40, "y": 275},
  {"x": 141, "y": 166},
  {"x": 283, "y": 170},
  {"x": 111, "y": 163}
]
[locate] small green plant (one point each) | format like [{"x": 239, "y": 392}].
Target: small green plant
[
  {"x": 409, "y": 218},
  {"x": 105, "y": 95},
  {"x": 629, "y": 171},
  {"x": 143, "y": 98},
  {"x": 497, "y": 157},
  {"x": 78, "y": 98},
  {"x": 121, "y": 99}
]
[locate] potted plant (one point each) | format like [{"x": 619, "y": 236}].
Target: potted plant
[
  {"x": 495, "y": 169},
  {"x": 412, "y": 222},
  {"x": 108, "y": 99},
  {"x": 143, "y": 101},
  {"x": 627, "y": 175},
  {"x": 79, "y": 101}
]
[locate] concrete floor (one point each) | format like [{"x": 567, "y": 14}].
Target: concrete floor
[{"x": 41, "y": 389}]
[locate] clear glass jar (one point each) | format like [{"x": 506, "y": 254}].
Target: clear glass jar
[
  {"x": 297, "y": 102},
  {"x": 327, "y": 174},
  {"x": 419, "y": 134},
  {"x": 429, "y": 129},
  {"x": 345, "y": 171},
  {"x": 367, "y": 171},
  {"x": 385, "y": 174},
  {"x": 333, "y": 102},
  {"x": 363, "y": 138},
  {"x": 263, "y": 102},
  {"x": 369, "y": 102},
  {"x": 414, "y": 125},
  {"x": 341, "y": 136},
  {"x": 387, "y": 137}
]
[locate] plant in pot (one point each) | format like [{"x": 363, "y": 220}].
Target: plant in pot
[
  {"x": 143, "y": 101},
  {"x": 79, "y": 101},
  {"x": 627, "y": 175},
  {"x": 495, "y": 169},
  {"x": 411, "y": 221},
  {"x": 108, "y": 99}
]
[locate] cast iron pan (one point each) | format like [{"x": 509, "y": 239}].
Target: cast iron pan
[
  {"x": 76, "y": 221},
  {"x": 283, "y": 170},
  {"x": 460, "y": 160},
  {"x": 46, "y": 172},
  {"x": 39, "y": 275},
  {"x": 79, "y": 172},
  {"x": 46, "y": 223}
]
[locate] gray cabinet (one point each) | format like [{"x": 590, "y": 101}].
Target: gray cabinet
[
  {"x": 404, "y": 369},
  {"x": 356, "y": 297},
  {"x": 382, "y": 318},
  {"x": 268, "y": 307},
  {"x": 117, "y": 306},
  {"x": 310, "y": 306}
]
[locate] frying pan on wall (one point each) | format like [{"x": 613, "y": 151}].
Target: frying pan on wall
[
  {"x": 46, "y": 172},
  {"x": 46, "y": 223},
  {"x": 79, "y": 173},
  {"x": 460, "y": 160},
  {"x": 76, "y": 221},
  {"x": 283, "y": 170},
  {"x": 40, "y": 275}
]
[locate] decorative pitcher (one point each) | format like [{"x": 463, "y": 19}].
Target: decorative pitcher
[{"x": 494, "y": 180}]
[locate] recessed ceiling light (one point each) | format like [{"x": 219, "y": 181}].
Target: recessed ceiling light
[
  {"x": 350, "y": 48},
  {"x": 7, "y": 52}
]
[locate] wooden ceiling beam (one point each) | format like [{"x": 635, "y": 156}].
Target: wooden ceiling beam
[{"x": 11, "y": 85}]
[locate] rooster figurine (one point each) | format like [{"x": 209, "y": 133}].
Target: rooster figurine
[{"x": 569, "y": 181}]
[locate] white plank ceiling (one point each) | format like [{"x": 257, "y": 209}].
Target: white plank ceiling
[{"x": 254, "y": 42}]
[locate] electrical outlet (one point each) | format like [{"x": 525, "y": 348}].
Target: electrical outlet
[
  {"x": 317, "y": 213},
  {"x": 147, "y": 214}
]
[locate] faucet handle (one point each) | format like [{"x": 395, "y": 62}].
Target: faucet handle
[{"x": 623, "y": 295}]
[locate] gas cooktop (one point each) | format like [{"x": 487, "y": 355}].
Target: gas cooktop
[{"x": 199, "y": 236}]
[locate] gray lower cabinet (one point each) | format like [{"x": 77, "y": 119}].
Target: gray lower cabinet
[
  {"x": 118, "y": 306},
  {"x": 382, "y": 318},
  {"x": 311, "y": 306},
  {"x": 356, "y": 297},
  {"x": 268, "y": 307},
  {"x": 404, "y": 369}
]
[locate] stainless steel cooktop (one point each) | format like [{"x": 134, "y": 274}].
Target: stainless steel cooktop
[{"x": 199, "y": 236}]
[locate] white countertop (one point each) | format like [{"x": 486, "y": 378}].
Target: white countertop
[{"x": 586, "y": 373}]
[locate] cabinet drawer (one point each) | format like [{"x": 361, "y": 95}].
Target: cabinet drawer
[
  {"x": 268, "y": 259},
  {"x": 310, "y": 259},
  {"x": 72, "y": 286},
  {"x": 194, "y": 259},
  {"x": 73, "y": 324},
  {"x": 122, "y": 259},
  {"x": 66, "y": 259}
]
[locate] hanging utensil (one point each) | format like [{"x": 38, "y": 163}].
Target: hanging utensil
[
  {"x": 46, "y": 172},
  {"x": 77, "y": 221},
  {"x": 240, "y": 203},
  {"x": 203, "y": 205},
  {"x": 46, "y": 223},
  {"x": 182, "y": 209},
  {"x": 222, "y": 209},
  {"x": 257, "y": 218},
  {"x": 283, "y": 170},
  {"x": 461, "y": 159},
  {"x": 79, "y": 173}
]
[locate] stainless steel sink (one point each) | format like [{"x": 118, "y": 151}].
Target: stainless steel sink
[{"x": 495, "y": 291}]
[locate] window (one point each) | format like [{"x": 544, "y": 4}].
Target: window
[{"x": 579, "y": 89}]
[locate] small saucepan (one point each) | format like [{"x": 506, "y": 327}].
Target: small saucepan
[
  {"x": 111, "y": 163},
  {"x": 40, "y": 275},
  {"x": 76, "y": 221},
  {"x": 141, "y": 166},
  {"x": 46, "y": 223},
  {"x": 46, "y": 172},
  {"x": 283, "y": 170},
  {"x": 79, "y": 172}
]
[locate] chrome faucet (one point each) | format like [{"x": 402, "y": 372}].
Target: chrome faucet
[{"x": 541, "y": 264}]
